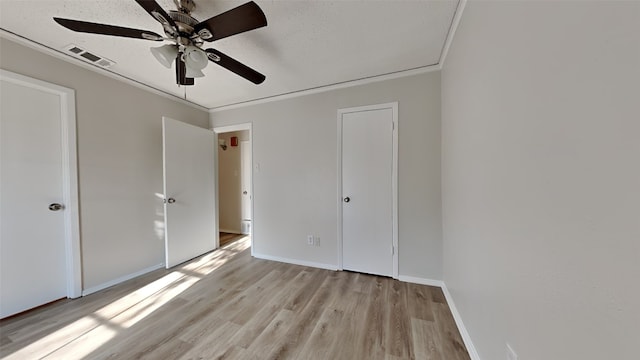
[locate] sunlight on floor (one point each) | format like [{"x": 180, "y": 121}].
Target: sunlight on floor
[{"x": 89, "y": 333}]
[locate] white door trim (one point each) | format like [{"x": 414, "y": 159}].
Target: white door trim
[
  {"x": 225, "y": 129},
  {"x": 245, "y": 178},
  {"x": 394, "y": 178},
  {"x": 69, "y": 174}
]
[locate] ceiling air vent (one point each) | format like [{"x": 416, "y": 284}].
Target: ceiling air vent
[{"x": 87, "y": 56}]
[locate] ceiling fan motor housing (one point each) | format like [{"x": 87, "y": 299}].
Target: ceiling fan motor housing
[{"x": 186, "y": 24}]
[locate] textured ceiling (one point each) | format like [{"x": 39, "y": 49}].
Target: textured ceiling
[{"x": 307, "y": 44}]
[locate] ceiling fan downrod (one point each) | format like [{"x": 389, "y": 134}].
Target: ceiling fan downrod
[{"x": 185, "y": 6}]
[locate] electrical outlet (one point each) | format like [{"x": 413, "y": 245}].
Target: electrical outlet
[
  {"x": 511, "y": 355},
  {"x": 316, "y": 241},
  {"x": 309, "y": 239}
]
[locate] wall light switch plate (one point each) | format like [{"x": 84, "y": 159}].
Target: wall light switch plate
[{"x": 309, "y": 239}]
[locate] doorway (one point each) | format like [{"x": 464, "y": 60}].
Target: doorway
[
  {"x": 234, "y": 183},
  {"x": 367, "y": 182},
  {"x": 39, "y": 242}
]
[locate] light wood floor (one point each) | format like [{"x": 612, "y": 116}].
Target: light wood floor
[
  {"x": 228, "y": 238},
  {"x": 229, "y": 305}
]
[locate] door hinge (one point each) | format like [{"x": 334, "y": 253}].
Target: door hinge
[
  {"x": 393, "y": 125},
  {"x": 393, "y": 250}
]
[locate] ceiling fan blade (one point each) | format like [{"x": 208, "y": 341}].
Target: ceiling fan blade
[
  {"x": 237, "y": 20},
  {"x": 235, "y": 66},
  {"x": 181, "y": 72},
  {"x": 158, "y": 13},
  {"x": 103, "y": 29}
]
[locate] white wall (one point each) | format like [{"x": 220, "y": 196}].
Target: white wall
[
  {"x": 295, "y": 189},
  {"x": 119, "y": 163},
  {"x": 541, "y": 178}
]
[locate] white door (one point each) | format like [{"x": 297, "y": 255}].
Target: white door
[
  {"x": 33, "y": 211},
  {"x": 367, "y": 191},
  {"x": 189, "y": 190},
  {"x": 245, "y": 174}
]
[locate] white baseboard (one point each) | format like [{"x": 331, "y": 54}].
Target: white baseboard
[
  {"x": 296, "y": 262},
  {"x": 421, "y": 281},
  {"x": 119, "y": 280},
  {"x": 239, "y": 232},
  {"x": 463, "y": 330},
  {"x": 454, "y": 311}
]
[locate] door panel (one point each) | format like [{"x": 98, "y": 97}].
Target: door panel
[
  {"x": 32, "y": 237},
  {"x": 367, "y": 217},
  {"x": 189, "y": 180},
  {"x": 245, "y": 174}
]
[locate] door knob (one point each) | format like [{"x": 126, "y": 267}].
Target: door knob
[
  {"x": 347, "y": 199},
  {"x": 244, "y": 192},
  {"x": 55, "y": 207},
  {"x": 171, "y": 200}
]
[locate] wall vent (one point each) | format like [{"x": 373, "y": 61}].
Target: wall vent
[{"x": 87, "y": 56}]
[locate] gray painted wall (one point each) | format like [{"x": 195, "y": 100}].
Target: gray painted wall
[
  {"x": 295, "y": 187},
  {"x": 541, "y": 178},
  {"x": 119, "y": 163}
]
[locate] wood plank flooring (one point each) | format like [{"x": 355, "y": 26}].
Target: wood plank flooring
[
  {"x": 228, "y": 238},
  {"x": 227, "y": 305}
]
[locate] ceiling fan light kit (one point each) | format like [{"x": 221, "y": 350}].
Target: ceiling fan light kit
[
  {"x": 195, "y": 59},
  {"x": 165, "y": 54},
  {"x": 187, "y": 36}
]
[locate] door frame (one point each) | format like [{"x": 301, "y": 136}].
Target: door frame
[
  {"x": 394, "y": 178},
  {"x": 246, "y": 177},
  {"x": 225, "y": 129},
  {"x": 69, "y": 174}
]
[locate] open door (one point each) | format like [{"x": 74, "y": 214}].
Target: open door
[{"x": 189, "y": 190}]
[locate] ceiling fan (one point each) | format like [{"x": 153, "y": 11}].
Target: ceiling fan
[{"x": 187, "y": 36}]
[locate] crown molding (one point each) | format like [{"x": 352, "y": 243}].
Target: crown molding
[
  {"x": 452, "y": 31},
  {"x": 102, "y": 71},
  {"x": 324, "y": 88},
  {"x": 336, "y": 86}
]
